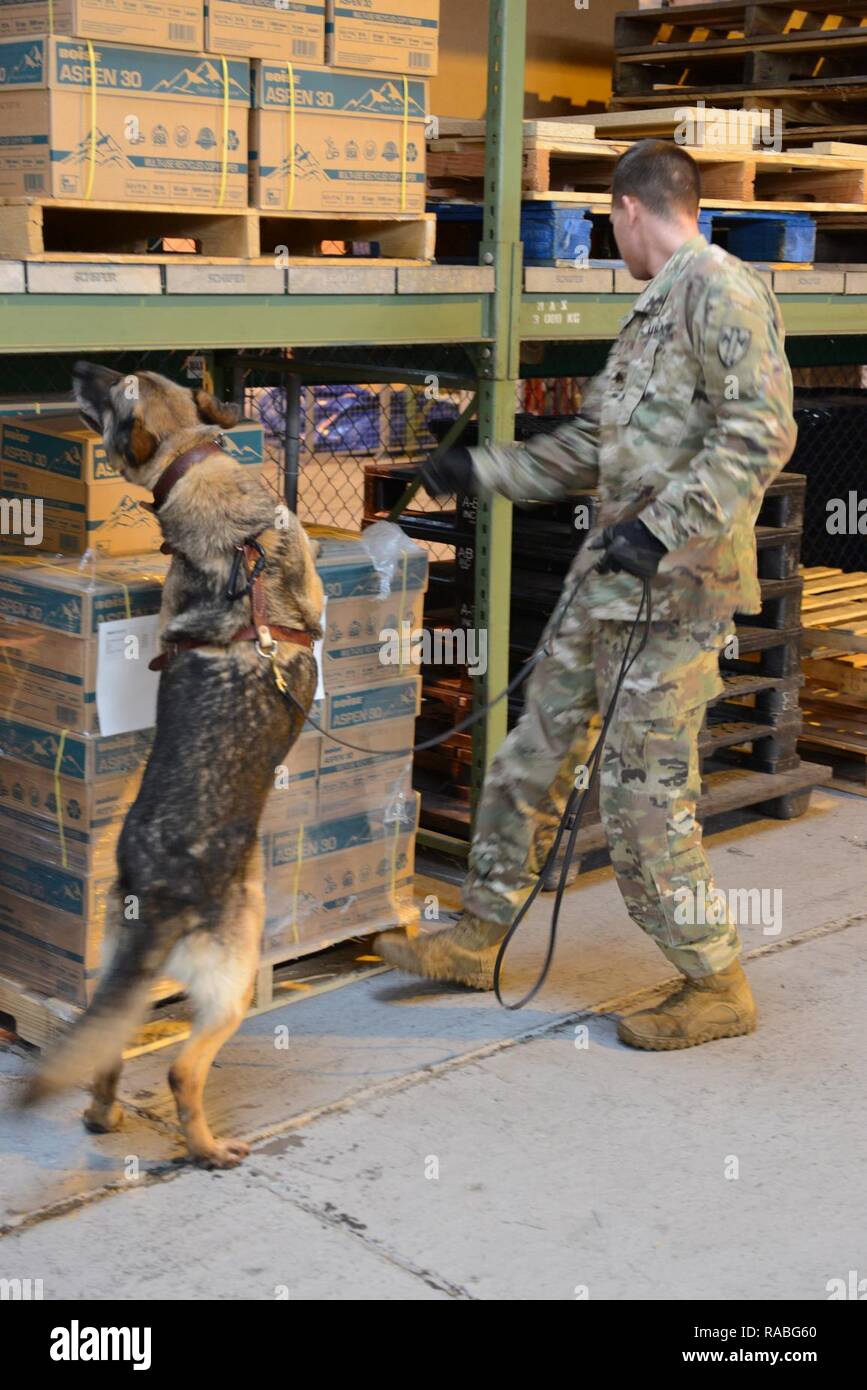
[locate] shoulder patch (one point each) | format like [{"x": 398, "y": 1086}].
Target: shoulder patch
[{"x": 733, "y": 343}]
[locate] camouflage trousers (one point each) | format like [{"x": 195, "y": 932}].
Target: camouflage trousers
[{"x": 649, "y": 782}]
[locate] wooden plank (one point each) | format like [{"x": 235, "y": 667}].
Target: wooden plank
[
  {"x": 342, "y": 278},
  {"x": 856, "y": 282},
  {"x": 624, "y": 283},
  {"x": 699, "y": 121},
  {"x": 446, "y": 279},
  {"x": 46, "y": 277},
  {"x": 568, "y": 280},
  {"x": 838, "y": 674},
  {"x": 809, "y": 281},
  {"x": 846, "y": 640},
  {"x": 12, "y": 277},
  {"x": 224, "y": 279},
  {"x": 575, "y": 127}
]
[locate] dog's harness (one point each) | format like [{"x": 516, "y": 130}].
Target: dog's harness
[{"x": 250, "y": 555}]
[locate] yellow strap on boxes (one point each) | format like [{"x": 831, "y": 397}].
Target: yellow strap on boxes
[
  {"x": 403, "y": 161},
  {"x": 51, "y": 16},
  {"x": 224, "y": 172},
  {"x": 299, "y": 855},
  {"x": 290, "y": 200},
  {"x": 58, "y": 797},
  {"x": 91, "y": 170}
]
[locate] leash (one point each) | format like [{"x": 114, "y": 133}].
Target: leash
[
  {"x": 564, "y": 604},
  {"x": 572, "y": 817}
]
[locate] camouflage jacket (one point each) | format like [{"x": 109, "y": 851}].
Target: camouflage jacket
[{"x": 693, "y": 410}]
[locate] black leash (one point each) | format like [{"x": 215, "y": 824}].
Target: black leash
[
  {"x": 572, "y": 817},
  {"x": 532, "y": 661}
]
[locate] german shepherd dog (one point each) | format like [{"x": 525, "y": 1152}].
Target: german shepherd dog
[{"x": 188, "y": 899}]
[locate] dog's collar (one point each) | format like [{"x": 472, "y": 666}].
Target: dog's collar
[
  {"x": 181, "y": 465},
  {"x": 264, "y": 637}
]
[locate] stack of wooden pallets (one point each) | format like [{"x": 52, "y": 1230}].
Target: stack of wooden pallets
[
  {"x": 792, "y": 210},
  {"x": 835, "y": 671}
]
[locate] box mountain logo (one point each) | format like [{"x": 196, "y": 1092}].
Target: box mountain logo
[
  {"x": 387, "y": 98},
  {"x": 107, "y": 152},
  {"x": 203, "y": 80},
  {"x": 307, "y": 166},
  {"x": 28, "y": 67}
]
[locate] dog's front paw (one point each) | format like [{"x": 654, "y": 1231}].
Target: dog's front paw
[
  {"x": 102, "y": 1119},
  {"x": 227, "y": 1154}
]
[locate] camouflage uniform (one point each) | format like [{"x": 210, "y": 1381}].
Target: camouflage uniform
[{"x": 694, "y": 411}]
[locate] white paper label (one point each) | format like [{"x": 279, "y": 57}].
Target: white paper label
[
  {"x": 317, "y": 652},
  {"x": 126, "y": 691}
]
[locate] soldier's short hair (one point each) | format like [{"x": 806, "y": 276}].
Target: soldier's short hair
[{"x": 661, "y": 175}]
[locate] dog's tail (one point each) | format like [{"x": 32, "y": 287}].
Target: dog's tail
[{"x": 96, "y": 1040}]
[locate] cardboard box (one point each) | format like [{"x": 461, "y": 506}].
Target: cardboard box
[
  {"x": 296, "y": 803},
  {"x": 48, "y": 950},
  {"x": 381, "y": 720},
  {"x": 158, "y": 132},
  {"x": 80, "y": 757},
  {"x": 292, "y": 30},
  {"x": 65, "y": 448},
  {"x": 160, "y": 23},
  {"x": 353, "y": 873},
  {"x": 362, "y": 604},
  {"x": 111, "y": 519},
  {"x": 51, "y": 678},
  {"x": 29, "y": 798},
  {"x": 42, "y": 842},
  {"x": 392, "y": 35},
  {"x": 64, "y": 596},
  {"x": 359, "y": 141}
]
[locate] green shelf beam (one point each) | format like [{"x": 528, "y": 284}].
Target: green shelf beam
[{"x": 102, "y": 323}]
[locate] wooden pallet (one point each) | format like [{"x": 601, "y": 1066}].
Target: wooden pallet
[
  {"x": 34, "y": 229},
  {"x": 834, "y": 610},
  {"x": 746, "y": 45},
  {"x": 835, "y": 732},
  {"x": 583, "y": 169},
  {"x": 724, "y": 22},
  {"x": 40, "y": 1020}
]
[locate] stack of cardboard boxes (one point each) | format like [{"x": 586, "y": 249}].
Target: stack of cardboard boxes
[
  {"x": 64, "y": 788},
  {"x": 85, "y": 504},
  {"x": 338, "y": 830},
  {"x": 150, "y": 102}
]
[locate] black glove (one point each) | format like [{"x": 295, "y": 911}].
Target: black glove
[
  {"x": 629, "y": 546},
  {"x": 451, "y": 473}
]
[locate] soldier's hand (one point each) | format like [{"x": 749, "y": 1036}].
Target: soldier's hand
[
  {"x": 629, "y": 546},
  {"x": 451, "y": 473}
]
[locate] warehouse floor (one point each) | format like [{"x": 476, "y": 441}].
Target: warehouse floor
[{"x": 413, "y": 1144}]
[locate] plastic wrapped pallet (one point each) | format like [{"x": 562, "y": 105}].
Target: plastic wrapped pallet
[{"x": 64, "y": 788}]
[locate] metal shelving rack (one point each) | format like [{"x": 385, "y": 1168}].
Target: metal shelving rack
[{"x": 488, "y": 314}]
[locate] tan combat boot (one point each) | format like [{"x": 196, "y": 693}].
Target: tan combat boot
[
  {"x": 717, "y": 1006},
  {"x": 465, "y": 953}
]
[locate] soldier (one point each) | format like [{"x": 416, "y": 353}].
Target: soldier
[{"x": 693, "y": 411}]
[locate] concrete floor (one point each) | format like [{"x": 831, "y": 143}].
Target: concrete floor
[{"x": 418, "y": 1144}]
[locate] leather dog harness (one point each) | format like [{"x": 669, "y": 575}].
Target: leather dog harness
[{"x": 251, "y": 555}]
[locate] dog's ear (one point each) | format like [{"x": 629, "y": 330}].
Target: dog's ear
[
  {"x": 141, "y": 447},
  {"x": 215, "y": 412}
]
